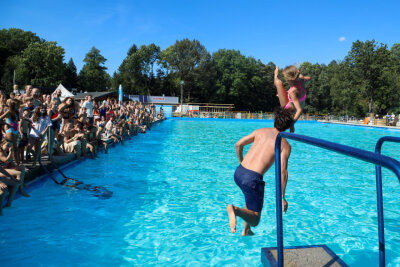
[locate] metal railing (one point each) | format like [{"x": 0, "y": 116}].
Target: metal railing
[
  {"x": 381, "y": 228},
  {"x": 364, "y": 155},
  {"x": 238, "y": 115}
]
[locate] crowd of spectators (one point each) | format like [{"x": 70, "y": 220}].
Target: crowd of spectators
[{"x": 33, "y": 124}]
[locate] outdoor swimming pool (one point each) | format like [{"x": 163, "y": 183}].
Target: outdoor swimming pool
[{"x": 171, "y": 187}]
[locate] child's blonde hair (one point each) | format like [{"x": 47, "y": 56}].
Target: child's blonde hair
[{"x": 291, "y": 74}]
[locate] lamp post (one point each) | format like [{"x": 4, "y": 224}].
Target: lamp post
[{"x": 182, "y": 82}]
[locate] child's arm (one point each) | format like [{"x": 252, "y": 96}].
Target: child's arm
[
  {"x": 4, "y": 115},
  {"x": 282, "y": 95},
  {"x": 297, "y": 105}
]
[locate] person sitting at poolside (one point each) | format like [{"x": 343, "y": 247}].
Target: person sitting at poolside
[
  {"x": 92, "y": 138},
  {"x": 68, "y": 110},
  {"x": 11, "y": 174},
  {"x": 249, "y": 174},
  {"x": 7, "y": 182},
  {"x": 295, "y": 98},
  {"x": 99, "y": 138},
  {"x": 109, "y": 131},
  {"x": 72, "y": 143}
]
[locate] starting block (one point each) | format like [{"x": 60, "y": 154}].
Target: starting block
[{"x": 316, "y": 255}]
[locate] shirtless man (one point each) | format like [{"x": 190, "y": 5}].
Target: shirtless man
[{"x": 249, "y": 174}]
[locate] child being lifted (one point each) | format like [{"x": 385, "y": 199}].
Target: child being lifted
[{"x": 295, "y": 98}]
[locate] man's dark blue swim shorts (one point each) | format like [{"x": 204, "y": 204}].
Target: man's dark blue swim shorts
[{"x": 252, "y": 186}]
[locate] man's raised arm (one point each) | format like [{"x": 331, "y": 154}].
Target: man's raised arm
[{"x": 241, "y": 143}]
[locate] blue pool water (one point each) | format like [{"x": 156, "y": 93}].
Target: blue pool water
[{"x": 171, "y": 187}]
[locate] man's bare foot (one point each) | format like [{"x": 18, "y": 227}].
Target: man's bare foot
[
  {"x": 232, "y": 217},
  {"x": 247, "y": 232}
]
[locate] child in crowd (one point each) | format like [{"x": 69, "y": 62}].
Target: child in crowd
[
  {"x": 24, "y": 128},
  {"x": 11, "y": 131},
  {"x": 40, "y": 124}
]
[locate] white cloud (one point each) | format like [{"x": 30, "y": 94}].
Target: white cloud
[{"x": 342, "y": 39}]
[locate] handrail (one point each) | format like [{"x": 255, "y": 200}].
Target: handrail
[
  {"x": 379, "y": 196},
  {"x": 364, "y": 155}
]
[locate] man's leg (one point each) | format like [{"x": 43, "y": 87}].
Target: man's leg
[
  {"x": 250, "y": 217},
  {"x": 12, "y": 190},
  {"x": 20, "y": 176},
  {"x": 77, "y": 149},
  {"x": 246, "y": 230}
]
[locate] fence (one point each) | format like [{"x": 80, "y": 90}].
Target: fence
[
  {"x": 240, "y": 115},
  {"x": 270, "y": 116}
]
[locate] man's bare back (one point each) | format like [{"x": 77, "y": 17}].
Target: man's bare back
[
  {"x": 261, "y": 154},
  {"x": 249, "y": 175}
]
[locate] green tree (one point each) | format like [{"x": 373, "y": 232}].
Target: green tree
[
  {"x": 318, "y": 88},
  {"x": 42, "y": 64},
  {"x": 115, "y": 82},
  {"x": 71, "y": 76},
  {"x": 12, "y": 42},
  {"x": 240, "y": 80},
  {"x": 267, "y": 92},
  {"x": 369, "y": 60},
  {"x": 93, "y": 76},
  {"x": 129, "y": 70},
  {"x": 344, "y": 97},
  {"x": 137, "y": 69},
  {"x": 395, "y": 50},
  {"x": 395, "y": 77},
  {"x": 182, "y": 60}
]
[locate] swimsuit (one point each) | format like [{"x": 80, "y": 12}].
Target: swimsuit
[
  {"x": 13, "y": 126},
  {"x": 252, "y": 185},
  {"x": 56, "y": 123},
  {"x": 301, "y": 99}
]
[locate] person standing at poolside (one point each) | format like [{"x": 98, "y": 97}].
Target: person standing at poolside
[
  {"x": 249, "y": 174},
  {"x": 88, "y": 104}
]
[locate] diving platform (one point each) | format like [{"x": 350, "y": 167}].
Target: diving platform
[
  {"x": 312, "y": 256},
  {"x": 321, "y": 255}
]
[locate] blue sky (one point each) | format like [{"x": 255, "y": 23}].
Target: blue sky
[{"x": 284, "y": 32}]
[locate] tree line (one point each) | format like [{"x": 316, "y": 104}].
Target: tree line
[{"x": 366, "y": 80}]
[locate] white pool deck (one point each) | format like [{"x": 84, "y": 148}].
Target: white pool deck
[{"x": 360, "y": 124}]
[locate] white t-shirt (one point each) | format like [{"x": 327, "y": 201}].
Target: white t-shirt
[
  {"x": 109, "y": 127},
  {"x": 89, "y": 108},
  {"x": 39, "y": 126}
]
